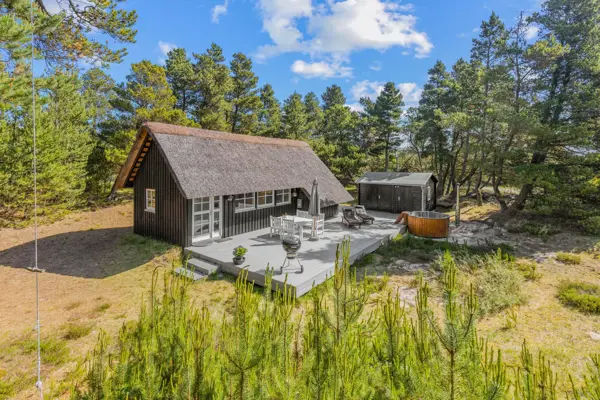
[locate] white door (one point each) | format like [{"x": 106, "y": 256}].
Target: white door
[{"x": 206, "y": 222}]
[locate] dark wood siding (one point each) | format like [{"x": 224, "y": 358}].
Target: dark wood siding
[
  {"x": 392, "y": 198},
  {"x": 170, "y": 220},
  {"x": 248, "y": 221}
]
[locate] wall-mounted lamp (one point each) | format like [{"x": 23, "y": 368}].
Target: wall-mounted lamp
[{"x": 294, "y": 194}]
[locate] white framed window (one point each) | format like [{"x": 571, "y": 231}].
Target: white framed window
[
  {"x": 265, "y": 199},
  {"x": 283, "y": 196},
  {"x": 244, "y": 202},
  {"x": 150, "y": 200}
]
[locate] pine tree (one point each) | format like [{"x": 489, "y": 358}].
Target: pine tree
[
  {"x": 294, "y": 118},
  {"x": 488, "y": 50},
  {"x": 214, "y": 82},
  {"x": 566, "y": 77},
  {"x": 243, "y": 97},
  {"x": 148, "y": 97},
  {"x": 98, "y": 91},
  {"x": 314, "y": 114},
  {"x": 69, "y": 41},
  {"x": 388, "y": 110},
  {"x": 333, "y": 96},
  {"x": 269, "y": 116},
  {"x": 180, "y": 75}
]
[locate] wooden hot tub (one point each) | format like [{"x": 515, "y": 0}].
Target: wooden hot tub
[{"x": 429, "y": 224}]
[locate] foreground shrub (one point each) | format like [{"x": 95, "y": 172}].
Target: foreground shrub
[
  {"x": 591, "y": 225},
  {"x": 568, "y": 258},
  {"x": 496, "y": 279},
  {"x": 332, "y": 346},
  {"x": 580, "y": 295}
]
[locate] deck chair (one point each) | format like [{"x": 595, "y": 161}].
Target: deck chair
[
  {"x": 275, "y": 226},
  {"x": 350, "y": 218},
  {"x": 362, "y": 214}
]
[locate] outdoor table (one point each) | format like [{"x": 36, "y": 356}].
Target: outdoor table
[{"x": 298, "y": 220}]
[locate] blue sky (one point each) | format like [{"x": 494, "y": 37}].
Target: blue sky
[{"x": 306, "y": 45}]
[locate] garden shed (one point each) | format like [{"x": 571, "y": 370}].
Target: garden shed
[{"x": 397, "y": 191}]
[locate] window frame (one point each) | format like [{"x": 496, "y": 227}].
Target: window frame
[
  {"x": 246, "y": 197},
  {"x": 283, "y": 193},
  {"x": 150, "y": 197},
  {"x": 265, "y": 194}
]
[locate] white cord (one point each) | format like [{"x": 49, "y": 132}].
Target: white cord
[{"x": 36, "y": 270}]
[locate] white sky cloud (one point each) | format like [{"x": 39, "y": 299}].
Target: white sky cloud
[
  {"x": 336, "y": 29},
  {"x": 320, "y": 69},
  {"x": 375, "y": 66},
  {"x": 531, "y": 32},
  {"x": 164, "y": 48},
  {"x": 411, "y": 92},
  {"x": 218, "y": 10},
  {"x": 355, "y": 107}
]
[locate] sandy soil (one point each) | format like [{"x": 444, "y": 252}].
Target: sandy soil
[{"x": 97, "y": 273}]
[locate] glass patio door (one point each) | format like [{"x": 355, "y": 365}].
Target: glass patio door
[{"x": 206, "y": 223}]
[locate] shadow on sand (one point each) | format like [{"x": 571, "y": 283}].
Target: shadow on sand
[{"x": 95, "y": 254}]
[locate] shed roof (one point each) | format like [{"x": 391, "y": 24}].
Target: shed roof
[
  {"x": 396, "y": 178},
  {"x": 211, "y": 163}
]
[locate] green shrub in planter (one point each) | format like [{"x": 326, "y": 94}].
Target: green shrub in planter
[{"x": 580, "y": 295}]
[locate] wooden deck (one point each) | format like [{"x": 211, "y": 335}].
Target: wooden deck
[{"x": 317, "y": 257}]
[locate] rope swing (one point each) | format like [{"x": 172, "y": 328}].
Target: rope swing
[{"x": 35, "y": 268}]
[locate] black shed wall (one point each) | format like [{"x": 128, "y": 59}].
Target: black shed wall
[
  {"x": 394, "y": 199},
  {"x": 170, "y": 221}
]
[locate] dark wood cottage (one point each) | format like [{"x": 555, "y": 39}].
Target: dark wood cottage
[
  {"x": 193, "y": 184},
  {"x": 397, "y": 191}
]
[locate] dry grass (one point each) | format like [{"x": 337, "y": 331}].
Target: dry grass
[
  {"x": 562, "y": 333},
  {"x": 74, "y": 303}
]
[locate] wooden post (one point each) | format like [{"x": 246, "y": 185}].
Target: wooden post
[{"x": 457, "y": 207}]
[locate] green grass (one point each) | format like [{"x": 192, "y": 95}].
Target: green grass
[
  {"x": 583, "y": 296},
  {"x": 498, "y": 285},
  {"x": 54, "y": 350},
  {"x": 9, "y": 387},
  {"x": 568, "y": 258},
  {"x": 102, "y": 307},
  {"x": 541, "y": 230},
  {"x": 529, "y": 270},
  {"x": 73, "y": 331}
]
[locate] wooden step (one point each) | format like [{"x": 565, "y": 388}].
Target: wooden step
[
  {"x": 193, "y": 275},
  {"x": 203, "y": 266}
]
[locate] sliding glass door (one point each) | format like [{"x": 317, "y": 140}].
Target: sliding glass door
[{"x": 206, "y": 218}]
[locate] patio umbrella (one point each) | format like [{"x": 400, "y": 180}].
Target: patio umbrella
[{"x": 314, "y": 209}]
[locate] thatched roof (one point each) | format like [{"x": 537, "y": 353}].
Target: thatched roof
[
  {"x": 397, "y": 178},
  {"x": 210, "y": 163}
]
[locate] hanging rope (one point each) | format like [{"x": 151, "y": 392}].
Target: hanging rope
[{"x": 35, "y": 269}]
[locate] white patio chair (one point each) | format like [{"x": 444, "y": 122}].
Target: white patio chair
[
  {"x": 275, "y": 226},
  {"x": 302, "y": 214},
  {"x": 321, "y": 224},
  {"x": 289, "y": 227}
]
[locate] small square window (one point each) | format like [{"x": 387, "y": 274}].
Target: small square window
[
  {"x": 265, "y": 199},
  {"x": 150, "y": 200},
  {"x": 283, "y": 196},
  {"x": 244, "y": 202}
]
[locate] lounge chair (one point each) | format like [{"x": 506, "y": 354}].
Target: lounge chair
[
  {"x": 350, "y": 218},
  {"x": 362, "y": 214}
]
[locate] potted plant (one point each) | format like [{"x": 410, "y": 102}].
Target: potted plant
[{"x": 238, "y": 255}]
